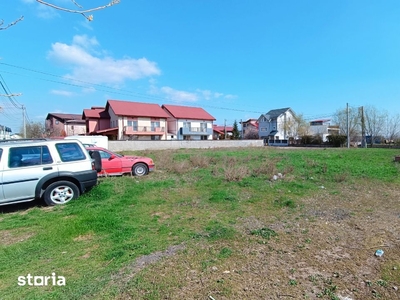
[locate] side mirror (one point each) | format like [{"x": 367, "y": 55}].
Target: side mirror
[{"x": 112, "y": 157}]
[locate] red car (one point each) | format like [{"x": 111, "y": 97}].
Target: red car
[{"x": 116, "y": 164}]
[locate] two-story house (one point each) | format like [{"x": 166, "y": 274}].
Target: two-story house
[
  {"x": 136, "y": 120},
  {"x": 188, "y": 123},
  {"x": 97, "y": 120},
  {"x": 59, "y": 124},
  {"x": 250, "y": 129},
  {"x": 323, "y": 128},
  {"x": 277, "y": 125}
]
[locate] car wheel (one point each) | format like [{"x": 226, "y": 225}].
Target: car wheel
[
  {"x": 140, "y": 169},
  {"x": 97, "y": 160},
  {"x": 60, "y": 192}
]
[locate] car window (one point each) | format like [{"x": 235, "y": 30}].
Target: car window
[
  {"x": 29, "y": 156},
  {"x": 104, "y": 154},
  {"x": 70, "y": 152}
]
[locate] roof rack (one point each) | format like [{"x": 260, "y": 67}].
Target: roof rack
[{"x": 22, "y": 140}]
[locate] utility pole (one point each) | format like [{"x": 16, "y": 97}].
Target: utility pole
[
  {"x": 348, "y": 126},
  {"x": 363, "y": 137},
  {"x": 225, "y": 129},
  {"x": 241, "y": 123},
  {"x": 24, "y": 120}
]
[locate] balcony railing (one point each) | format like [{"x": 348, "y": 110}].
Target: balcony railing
[
  {"x": 197, "y": 131},
  {"x": 142, "y": 129}
]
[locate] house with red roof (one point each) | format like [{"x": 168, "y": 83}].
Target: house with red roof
[
  {"x": 60, "y": 124},
  {"x": 221, "y": 132},
  {"x": 188, "y": 123},
  {"x": 135, "y": 121},
  {"x": 97, "y": 119},
  {"x": 250, "y": 129}
]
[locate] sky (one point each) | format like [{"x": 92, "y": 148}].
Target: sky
[{"x": 236, "y": 59}]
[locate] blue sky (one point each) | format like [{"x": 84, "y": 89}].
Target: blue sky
[{"x": 236, "y": 59}]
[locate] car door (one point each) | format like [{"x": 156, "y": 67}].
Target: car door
[
  {"x": 111, "y": 164},
  {"x": 23, "y": 170}
]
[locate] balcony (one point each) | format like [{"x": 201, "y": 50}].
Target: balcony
[
  {"x": 143, "y": 130},
  {"x": 196, "y": 131}
]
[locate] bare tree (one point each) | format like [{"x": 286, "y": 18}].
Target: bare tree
[
  {"x": 35, "y": 130},
  {"x": 80, "y": 11},
  {"x": 251, "y": 134},
  {"x": 11, "y": 24},
  {"x": 340, "y": 118},
  {"x": 392, "y": 128},
  {"x": 374, "y": 122},
  {"x": 296, "y": 127}
]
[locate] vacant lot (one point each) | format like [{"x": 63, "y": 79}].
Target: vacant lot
[{"x": 256, "y": 223}]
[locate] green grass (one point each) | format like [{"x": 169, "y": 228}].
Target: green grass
[{"x": 195, "y": 196}]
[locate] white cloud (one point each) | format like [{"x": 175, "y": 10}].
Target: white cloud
[
  {"x": 178, "y": 96},
  {"x": 62, "y": 93},
  {"x": 184, "y": 96},
  {"x": 89, "y": 66},
  {"x": 230, "y": 96}
]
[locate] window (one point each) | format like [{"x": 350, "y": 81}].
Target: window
[
  {"x": 155, "y": 137},
  {"x": 29, "y": 156},
  {"x": 70, "y": 152},
  {"x": 204, "y": 137},
  {"x": 104, "y": 154},
  {"x": 57, "y": 122},
  {"x": 135, "y": 125},
  {"x": 155, "y": 125}
]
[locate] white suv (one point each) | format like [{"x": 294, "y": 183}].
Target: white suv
[{"x": 55, "y": 170}]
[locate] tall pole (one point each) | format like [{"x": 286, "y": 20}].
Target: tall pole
[
  {"x": 241, "y": 122},
  {"x": 363, "y": 141},
  {"x": 348, "y": 126},
  {"x": 225, "y": 129},
  {"x": 24, "y": 120}
]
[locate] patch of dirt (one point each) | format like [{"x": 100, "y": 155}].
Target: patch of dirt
[{"x": 9, "y": 237}]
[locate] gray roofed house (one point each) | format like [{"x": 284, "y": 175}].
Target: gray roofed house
[{"x": 276, "y": 124}]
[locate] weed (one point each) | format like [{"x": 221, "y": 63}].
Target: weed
[
  {"x": 225, "y": 253},
  {"x": 265, "y": 233},
  {"x": 285, "y": 202},
  {"x": 292, "y": 282}
]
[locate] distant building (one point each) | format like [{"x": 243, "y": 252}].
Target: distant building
[
  {"x": 249, "y": 129},
  {"x": 277, "y": 126},
  {"x": 59, "y": 124},
  {"x": 323, "y": 128},
  {"x": 5, "y": 132}
]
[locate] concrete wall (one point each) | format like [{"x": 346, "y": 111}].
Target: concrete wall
[{"x": 161, "y": 145}]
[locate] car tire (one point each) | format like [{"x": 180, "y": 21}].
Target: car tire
[
  {"x": 140, "y": 169},
  {"x": 97, "y": 160},
  {"x": 60, "y": 192}
]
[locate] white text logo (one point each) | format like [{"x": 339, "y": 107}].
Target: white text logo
[{"x": 41, "y": 280}]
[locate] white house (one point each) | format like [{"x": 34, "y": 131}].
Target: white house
[
  {"x": 188, "y": 123},
  {"x": 277, "y": 126}
]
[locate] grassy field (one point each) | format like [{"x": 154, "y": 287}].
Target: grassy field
[{"x": 256, "y": 223}]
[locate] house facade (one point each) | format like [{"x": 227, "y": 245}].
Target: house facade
[
  {"x": 249, "y": 129},
  {"x": 277, "y": 126},
  {"x": 59, "y": 124},
  {"x": 188, "y": 123},
  {"x": 96, "y": 119},
  {"x": 323, "y": 128},
  {"x": 222, "y": 132},
  {"x": 136, "y": 121}
]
